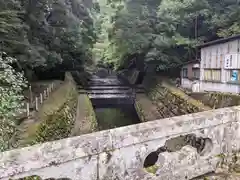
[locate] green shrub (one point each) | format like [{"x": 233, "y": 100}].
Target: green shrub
[
  {"x": 11, "y": 100},
  {"x": 58, "y": 125}
]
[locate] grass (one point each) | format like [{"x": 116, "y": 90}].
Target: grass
[{"x": 152, "y": 169}]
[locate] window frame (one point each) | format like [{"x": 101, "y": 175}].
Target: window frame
[
  {"x": 211, "y": 75},
  {"x": 184, "y": 70},
  {"x": 196, "y": 70},
  {"x": 238, "y": 76}
]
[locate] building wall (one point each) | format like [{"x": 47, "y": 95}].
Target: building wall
[
  {"x": 219, "y": 87},
  {"x": 213, "y": 68},
  {"x": 188, "y": 81},
  {"x": 190, "y": 71}
]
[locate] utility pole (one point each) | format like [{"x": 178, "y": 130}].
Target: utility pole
[{"x": 196, "y": 35}]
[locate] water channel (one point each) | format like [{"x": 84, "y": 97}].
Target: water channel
[
  {"x": 109, "y": 118},
  {"x": 113, "y": 101}
]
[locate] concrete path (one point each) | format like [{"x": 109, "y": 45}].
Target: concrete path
[
  {"x": 83, "y": 123},
  {"x": 149, "y": 111}
]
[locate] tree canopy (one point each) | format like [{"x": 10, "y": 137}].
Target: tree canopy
[
  {"x": 38, "y": 35},
  {"x": 45, "y": 33},
  {"x": 165, "y": 31}
]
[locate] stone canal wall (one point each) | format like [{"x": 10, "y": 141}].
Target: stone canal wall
[
  {"x": 216, "y": 99},
  {"x": 169, "y": 100},
  {"x": 86, "y": 121},
  {"x": 175, "y": 148}
]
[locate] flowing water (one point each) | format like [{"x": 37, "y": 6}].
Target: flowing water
[
  {"x": 109, "y": 118},
  {"x": 113, "y": 101}
]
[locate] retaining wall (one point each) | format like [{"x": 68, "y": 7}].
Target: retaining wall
[{"x": 217, "y": 99}]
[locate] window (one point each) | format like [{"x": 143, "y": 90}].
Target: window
[
  {"x": 233, "y": 76},
  {"x": 196, "y": 73},
  {"x": 184, "y": 73},
  {"x": 238, "y": 48},
  {"x": 212, "y": 75}
]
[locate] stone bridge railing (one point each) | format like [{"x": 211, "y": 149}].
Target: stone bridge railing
[{"x": 176, "y": 148}]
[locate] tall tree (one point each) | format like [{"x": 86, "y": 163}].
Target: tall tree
[{"x": 165, "y": 31}]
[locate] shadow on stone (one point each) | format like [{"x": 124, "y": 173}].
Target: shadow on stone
[{"x": 202, "y": 145}]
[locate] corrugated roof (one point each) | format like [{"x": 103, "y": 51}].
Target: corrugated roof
[
  {"x": 191, "y": 62},
  {"x": 219, "y": 41}
]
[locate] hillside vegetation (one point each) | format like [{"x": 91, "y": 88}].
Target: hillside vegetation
[{"x": 164, "y": 31}]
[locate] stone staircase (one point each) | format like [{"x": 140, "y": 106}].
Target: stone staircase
[{"x": 110, "y": 90}]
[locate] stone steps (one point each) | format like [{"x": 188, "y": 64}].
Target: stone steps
[
  {"x": 109, "y": 96},
  {"x": 106, "y": 92},
  {"x": 106, "y": 88}
]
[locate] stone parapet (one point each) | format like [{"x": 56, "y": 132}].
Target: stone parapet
[{"x": 176, "y": 148}]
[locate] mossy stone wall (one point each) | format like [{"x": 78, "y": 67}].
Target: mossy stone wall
[
  {"x": 171, "y": 101},
  {"x": 59, "y": 124},
  {"x": 217, "y": 100},
  {"x": 140, "y": 111},
  {"x": 86, "y": 121}
]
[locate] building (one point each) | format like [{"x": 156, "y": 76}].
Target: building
[
  {"x": 190, "y": 73},
  {"x": 220, "y": 65}
]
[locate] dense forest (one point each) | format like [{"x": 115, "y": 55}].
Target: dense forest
[
  {"x": 165, "y": 31},
  {"x": 40, "y": 36}
]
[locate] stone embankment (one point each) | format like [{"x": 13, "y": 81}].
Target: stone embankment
[
  {"x": 216, "y": 99},
  {"x": 163, "y": 100}
]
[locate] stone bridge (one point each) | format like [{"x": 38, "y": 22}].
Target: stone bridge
[{"x": 176, "y": 148}]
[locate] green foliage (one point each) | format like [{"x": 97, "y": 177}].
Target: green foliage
[
  {"x": 43, "y": 34},
  {"x": 58, "y": 125},
  {"x": 11, "y": 86},
  {"x": 165, "y": 31}
]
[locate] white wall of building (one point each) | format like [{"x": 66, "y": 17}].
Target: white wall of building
[
  {"x": 186, "y": 83},
  {"x": 194, "y": 85},
  {"x": 219, "y": 87},
  {"x": 213, "y": 57}
]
